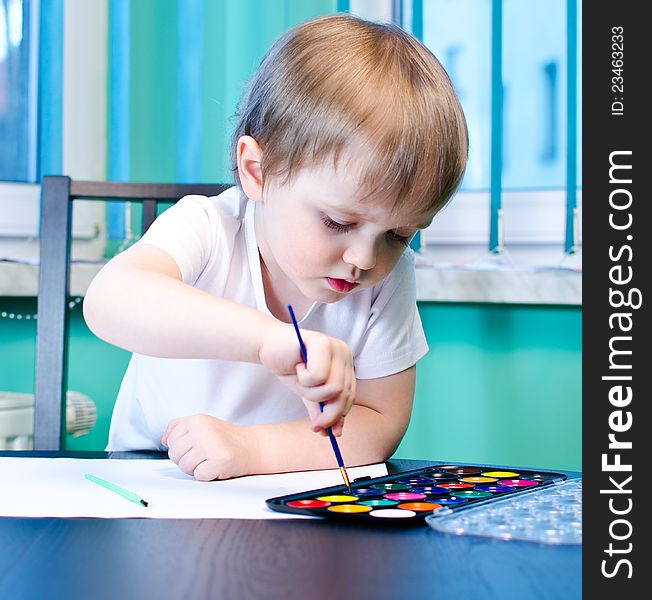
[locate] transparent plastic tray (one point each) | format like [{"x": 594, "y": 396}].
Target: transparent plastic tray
[{"x": 551, "y": 515}]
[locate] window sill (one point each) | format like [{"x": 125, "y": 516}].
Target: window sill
[
  {"x": 554, "y": 286},
  {"x": 19, "y": 266},
  {"x": 434, "y": 284}
]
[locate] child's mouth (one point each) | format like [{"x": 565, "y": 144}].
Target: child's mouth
[{"x": 341, "y": 285}]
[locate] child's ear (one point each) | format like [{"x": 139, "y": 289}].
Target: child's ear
[{"x": 251, "y": 175}]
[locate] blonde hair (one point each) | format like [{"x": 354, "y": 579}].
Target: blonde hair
[{"x": 339, "y": 86}]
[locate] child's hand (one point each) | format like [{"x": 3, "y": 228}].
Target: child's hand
[
  {"x": 209, "y": 448},
  {"x": 328, "y": 378}
]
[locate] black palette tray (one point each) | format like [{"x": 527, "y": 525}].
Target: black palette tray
[{"x": 409, "y": 497}]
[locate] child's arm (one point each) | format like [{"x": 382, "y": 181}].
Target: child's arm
[
  {"x": 209, "y": 448},
  {"x": 138, "y": 302}
]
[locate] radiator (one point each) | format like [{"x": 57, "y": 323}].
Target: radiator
[{"x": 17, "y": 418}]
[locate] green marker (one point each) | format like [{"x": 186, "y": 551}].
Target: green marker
[{"x": 117, "y": 489}]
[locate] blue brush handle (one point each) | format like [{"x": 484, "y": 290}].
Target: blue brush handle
[
  {"x": 304, "y": 355},
  {"x": 331, "y": 437}
]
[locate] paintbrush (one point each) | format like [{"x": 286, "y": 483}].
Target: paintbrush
[{"x": 336, "y": 448}]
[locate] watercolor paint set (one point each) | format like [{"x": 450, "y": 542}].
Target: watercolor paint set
[{"x": 409, "y": 497}]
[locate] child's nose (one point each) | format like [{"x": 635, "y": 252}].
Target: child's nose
[{"x": 361, "y": 256}]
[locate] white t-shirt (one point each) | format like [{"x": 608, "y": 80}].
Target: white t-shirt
[{"x": 213, "y": 242}]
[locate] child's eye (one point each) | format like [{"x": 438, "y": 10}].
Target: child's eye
[
  {"x": 331, "y": 224},
  {"x": 401, "y": 239}
]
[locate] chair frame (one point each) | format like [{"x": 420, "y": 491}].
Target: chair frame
[{"x": 57, "y": 196}]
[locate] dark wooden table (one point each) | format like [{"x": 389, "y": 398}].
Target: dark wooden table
[{"x": 285, "y": 559}]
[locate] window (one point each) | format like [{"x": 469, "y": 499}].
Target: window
[
  {"x": 534, "y": 50},
  {"x": 56, "y": 115},
  {"x": 18, "y": 66},
  {"x": 98, "y": 73}
]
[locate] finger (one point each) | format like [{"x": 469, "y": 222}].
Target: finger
[
  {"x": 348, "y": 393},
  {"x": 321, "y": 414},
  {"x": 179, "y": 430},
  {"x": 335, "y": 404},
  {"x": 338, "y": 427},
  {"x": 318, "y": 369},
  {"x": 328, "y": 392},
  {"x": 179, "y": 448},
  {"x": 333, "y": 411},
  {"x": 352, "y": 392},
  {"x": 206, "y": 471},
  {"x": 289, "y": 380},
  {"x": 348, "y": 398},
  {"x": 314, "y": 411},
  {"x": 320, "y": 430},
  {"x": 171, "y": 425},
  {"x": 312, "y": 408},
  {"x": 190, "y": 460},
  {"x": 331, "y": 415}
]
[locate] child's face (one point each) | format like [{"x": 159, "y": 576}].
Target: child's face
[{"x": 317, "y": 234}]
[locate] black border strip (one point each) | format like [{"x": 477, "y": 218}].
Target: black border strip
[{"x": 615, "y": 126}]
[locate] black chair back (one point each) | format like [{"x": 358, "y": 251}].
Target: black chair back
[{"x": 57, "y": 196}]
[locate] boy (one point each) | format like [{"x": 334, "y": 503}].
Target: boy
[{"x": 350, "y": 139}]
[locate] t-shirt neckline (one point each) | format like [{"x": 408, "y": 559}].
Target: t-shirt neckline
[{"x": 254, "y": 258}]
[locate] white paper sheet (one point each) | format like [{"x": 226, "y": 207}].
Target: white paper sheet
[{"x": 56, "y": 487}]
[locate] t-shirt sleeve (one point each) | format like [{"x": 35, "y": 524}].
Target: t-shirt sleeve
[
  {"x": 394, "y": 339},
  {"x": 187, "y": 231}
]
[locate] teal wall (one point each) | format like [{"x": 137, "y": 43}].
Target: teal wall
[
  {"x": 501, "y": 383},
  {"x": 95, "y": 368}
]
